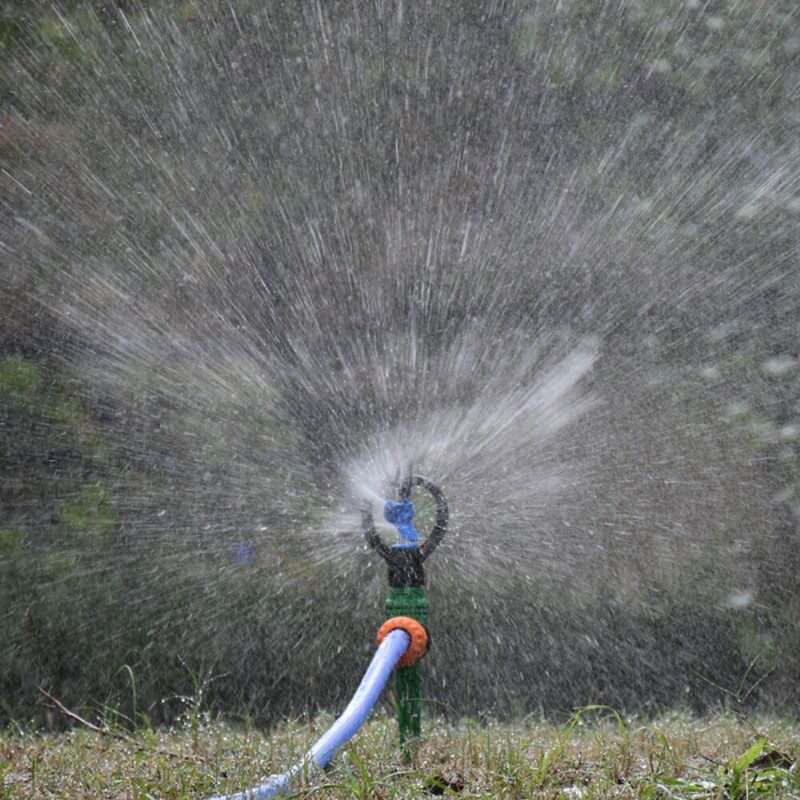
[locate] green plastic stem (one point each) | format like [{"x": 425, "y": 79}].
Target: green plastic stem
[{"x": 408, "y": 602}]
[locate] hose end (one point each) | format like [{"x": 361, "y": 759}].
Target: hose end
[{"x": 420, "y": 639}]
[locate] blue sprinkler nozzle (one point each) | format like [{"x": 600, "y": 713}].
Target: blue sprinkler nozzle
[{"x": 401, "y": 515}]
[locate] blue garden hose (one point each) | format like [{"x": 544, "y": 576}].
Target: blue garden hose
[{"x": 390, "y": 651}]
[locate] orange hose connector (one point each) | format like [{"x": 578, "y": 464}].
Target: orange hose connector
[{"x": 420, "y": 641}]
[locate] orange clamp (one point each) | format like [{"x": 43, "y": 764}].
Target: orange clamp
[{"x": 420, "y": 641}]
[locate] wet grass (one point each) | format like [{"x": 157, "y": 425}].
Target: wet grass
[{"x": 595, "y": 755}]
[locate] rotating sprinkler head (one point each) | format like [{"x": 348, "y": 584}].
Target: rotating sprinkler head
[
  {"x": 405, "y": 560},
  {"x": 401, "y": 515}
]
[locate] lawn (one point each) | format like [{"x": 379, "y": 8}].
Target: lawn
[{"x": 594, "y": 755}]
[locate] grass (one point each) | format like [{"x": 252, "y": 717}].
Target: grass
[{"x": 597, "y": 754}]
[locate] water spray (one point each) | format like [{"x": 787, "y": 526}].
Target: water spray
[{"x": 402, "y": 640}]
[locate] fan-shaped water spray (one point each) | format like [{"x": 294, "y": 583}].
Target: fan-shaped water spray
[{"x": 260, "y": 259}]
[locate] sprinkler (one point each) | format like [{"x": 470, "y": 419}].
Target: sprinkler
[
  {"x": 405, "y": 562},
  {"x": 402, "y": 641}
]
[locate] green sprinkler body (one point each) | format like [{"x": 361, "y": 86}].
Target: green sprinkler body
[{"x": 407, "y": 587}]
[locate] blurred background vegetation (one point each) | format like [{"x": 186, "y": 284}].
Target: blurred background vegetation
[{"x": 99, "y": 488}]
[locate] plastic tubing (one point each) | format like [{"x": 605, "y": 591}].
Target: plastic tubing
[{"x": 344, "y": 728}]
